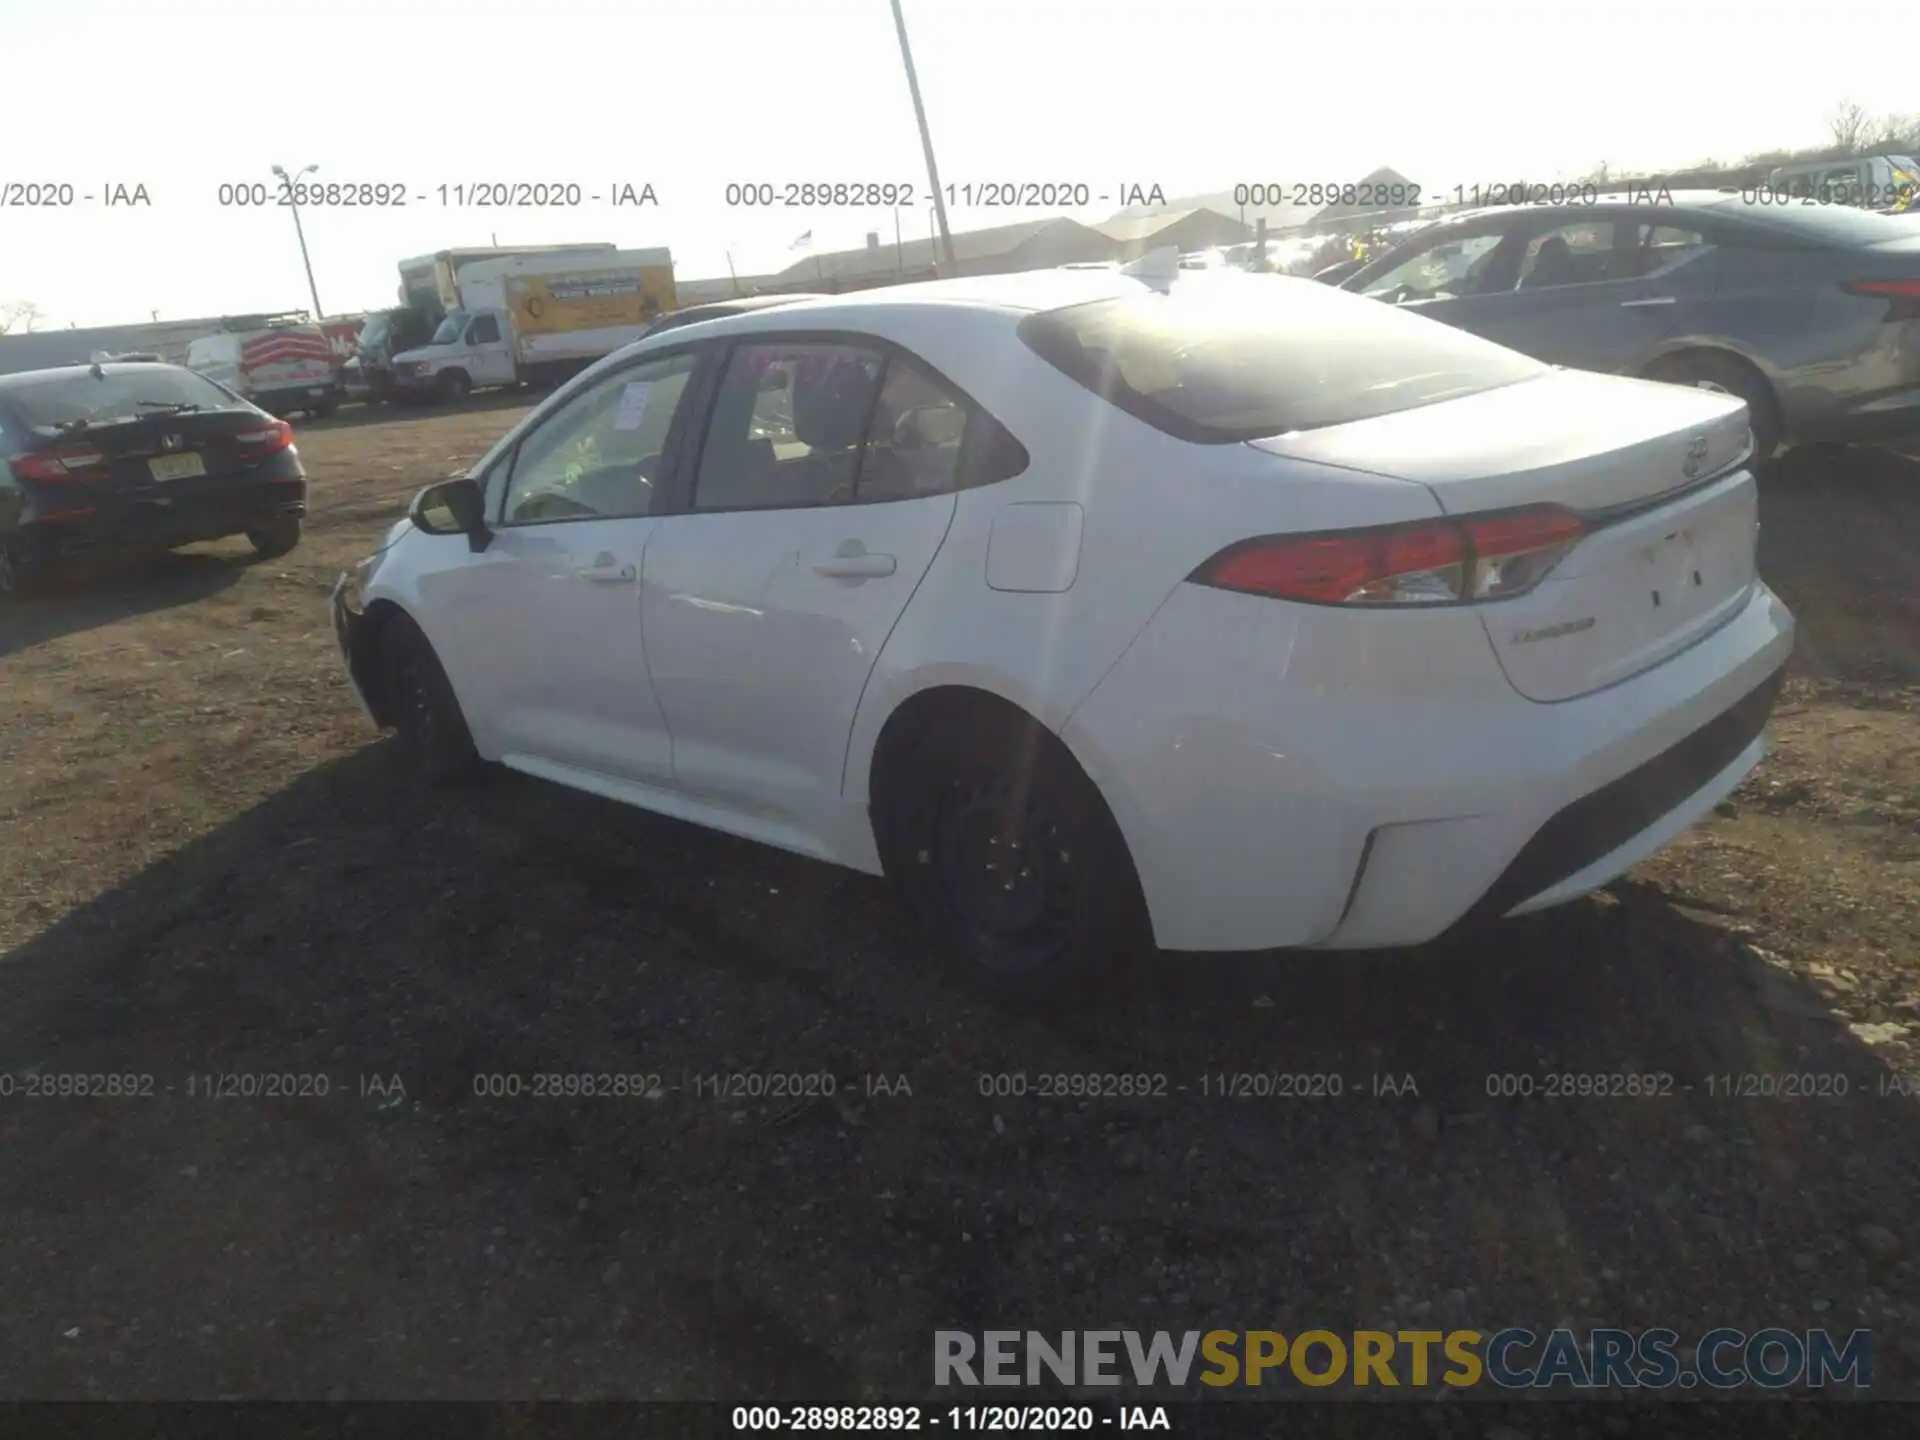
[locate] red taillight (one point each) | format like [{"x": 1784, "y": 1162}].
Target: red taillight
[
  {"x": 69, "y": 462},
  {"x": 1343, "y": 569},
  {"x": 1431, "y": 562},
  {"x": 270, "y": 439},
  {"x": 1886, "y": 289}
]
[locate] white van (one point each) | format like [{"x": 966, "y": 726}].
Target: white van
[
  {"x": 280, "y": 363},
  {"x": 1879, "y": 182}
]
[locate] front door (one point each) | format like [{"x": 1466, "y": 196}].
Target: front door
[
  {"x": 823, "y": 488},
  {"x": 489, "y": 339},
  {"x": 541, "y": 633}
]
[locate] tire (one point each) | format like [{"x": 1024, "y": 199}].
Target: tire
[
  {"x": 435, "y": 744},
  {"x": 453, "y": 386},
  {"x": 1011, "y": 859},
  {"x": 276, "y": 537},
  {"x": 13, "y": 584},
  {"x": 324, "y": 412},
  {"x": 1728, "y": 376}
]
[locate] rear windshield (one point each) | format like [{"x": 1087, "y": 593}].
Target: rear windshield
[
  {"x": 1236, "y": 357},
  {"x": 51, "y": 400}
]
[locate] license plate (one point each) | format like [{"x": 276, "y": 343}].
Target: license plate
[{"x": 177, "y": 467}]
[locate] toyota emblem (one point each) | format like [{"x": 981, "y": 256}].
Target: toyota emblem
[{"x": 1696, "y": 457}]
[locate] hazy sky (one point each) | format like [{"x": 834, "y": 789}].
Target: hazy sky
[{"x": 1192, "y": 96}]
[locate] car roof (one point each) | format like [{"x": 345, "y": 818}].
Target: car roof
[
  {"x": 110, "y": 367},
  {"x": 1019, "y": 293},
  {"x": 1011, "y": 296},
  {"x": 1608, "y": 204}
]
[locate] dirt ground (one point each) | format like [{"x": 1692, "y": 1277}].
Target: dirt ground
[{"x": 210, "y": 869}]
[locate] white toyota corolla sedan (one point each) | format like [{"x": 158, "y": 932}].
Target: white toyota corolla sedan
[{"x": 1234, "y": 611}]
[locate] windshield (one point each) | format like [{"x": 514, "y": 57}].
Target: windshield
[
  {"x": 120, "y": 393},
  {"x": 375, "y": 331},
  {"x": 451, "y": 328},
  {"x": 1228, "y": 357}
]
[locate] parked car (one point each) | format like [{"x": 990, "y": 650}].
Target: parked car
[
  {"x": 1339, "y": 272},
  {"x": 1876, "y": 182},
  {"x": 384, "y": 334},
  {"x": 282, "y": 363},
  {"x": 718, "y": 309},
  {"x": 1809, "y": 313},
  {"x": 117, "y": 457},
  {"x": 1234, "y": 611}
]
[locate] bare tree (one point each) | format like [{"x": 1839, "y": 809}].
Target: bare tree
[
  {"x": 20, "y": 315},
  {"x": 1851, "y": 125},
  {"x": 1898, "y": 133}
]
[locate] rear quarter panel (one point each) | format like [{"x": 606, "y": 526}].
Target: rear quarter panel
[{"x": 1152, "y": 508}]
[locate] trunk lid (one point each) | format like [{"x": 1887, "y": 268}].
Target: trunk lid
[
  {"x": 1657, "y": 471},
  {"x": 168, "y": 452}
]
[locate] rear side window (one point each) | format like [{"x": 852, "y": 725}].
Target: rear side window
[
  {"x": 1234, "y": 358},
  {"x": 47, "y": 401},
  {"x": 818, "y": 422}
]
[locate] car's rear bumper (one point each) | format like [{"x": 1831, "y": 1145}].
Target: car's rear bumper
[
  {"x": 1344, "y": 780},
  {"x": 156, "y": 522},
  {"x": 298, "y": 397}
]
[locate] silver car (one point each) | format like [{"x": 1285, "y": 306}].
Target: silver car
[{"x": 1808, "y": 312}]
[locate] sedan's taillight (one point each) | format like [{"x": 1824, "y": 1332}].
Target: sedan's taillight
[
  {"x": 69, "y": 462},
  {"x": 270, "y": 438},
  {"x": 1428, "y": 562}
]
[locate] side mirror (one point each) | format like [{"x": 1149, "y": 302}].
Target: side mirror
[{"x": 453, "y": 507}]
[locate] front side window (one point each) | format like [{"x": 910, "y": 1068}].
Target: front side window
[
  {"x": 1222, "y": 358},
  {"x": 1442, "y": 271},
  {"x": 600, "y": 455},
  {"x": 485, "y": 331}
]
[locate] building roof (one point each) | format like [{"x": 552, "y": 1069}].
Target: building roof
[
  {"x": 1382, "y": 176},
  {"x": 1125, "y": 229},
  {"x": 37, "y": 349},
  {"x": 916, "y": 255}
]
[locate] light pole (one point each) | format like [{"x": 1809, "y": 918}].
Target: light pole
[
  {"x": 926, "y": 140},
  {"x": 291, "y": 181}
]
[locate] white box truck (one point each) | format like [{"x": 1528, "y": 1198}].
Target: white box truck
[{"x": 536, "y": 319}]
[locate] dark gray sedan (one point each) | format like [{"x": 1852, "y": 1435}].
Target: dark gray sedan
[{"x": 1810, "y": 313}]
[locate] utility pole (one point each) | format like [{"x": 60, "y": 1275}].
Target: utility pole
[
  {"x": 926, "y": 141},
  {"x": 291, "y": 182}
]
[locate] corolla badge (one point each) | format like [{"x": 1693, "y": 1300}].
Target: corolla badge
[{"x": 1696, "y": 457}]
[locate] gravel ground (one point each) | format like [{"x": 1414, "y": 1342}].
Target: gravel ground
[{"x": 212, "y": 869}]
